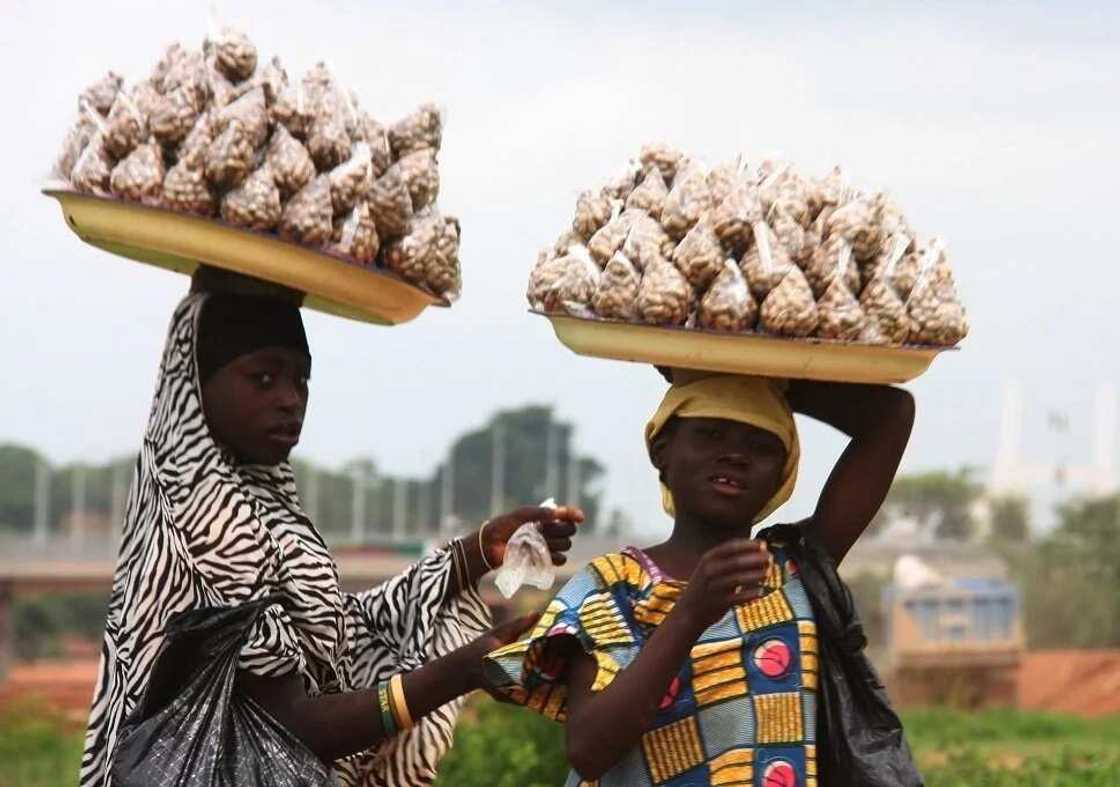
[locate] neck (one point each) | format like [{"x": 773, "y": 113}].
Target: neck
[{"x": 690, "y": 539}]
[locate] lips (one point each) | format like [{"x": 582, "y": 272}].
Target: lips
[
  {"x": 286, "y": 434},
  {"x": 726, "y": 484}
]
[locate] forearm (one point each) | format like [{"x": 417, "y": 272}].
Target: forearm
[
  {"x": 338, "y": 725},
  {"x": 853, "y": 408},
  {"x": 603, "y": 726},
  {"x": 468, "y": 566}
]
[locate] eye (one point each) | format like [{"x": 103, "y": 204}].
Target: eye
[
  {"x": 264, "y": 379},
  {"x": 710, "y": 431}
]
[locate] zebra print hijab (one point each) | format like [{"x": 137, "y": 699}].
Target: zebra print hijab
[{"x": 201, "y": 530}]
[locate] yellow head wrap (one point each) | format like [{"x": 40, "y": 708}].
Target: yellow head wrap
[{"x": 750, "y": 400}]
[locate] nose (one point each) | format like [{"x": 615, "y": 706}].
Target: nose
[{"x": 291, "y": 399}]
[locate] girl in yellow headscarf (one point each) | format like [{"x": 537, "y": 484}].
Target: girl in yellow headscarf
[{"x": 698, "y": 661}]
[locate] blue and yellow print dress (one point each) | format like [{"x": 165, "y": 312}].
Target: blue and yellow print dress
[{"x": 742, "y": 710}]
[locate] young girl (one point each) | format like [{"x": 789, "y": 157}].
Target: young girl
[{"x": 697, "y": 661}]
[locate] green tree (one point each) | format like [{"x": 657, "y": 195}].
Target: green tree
[
  {"x": 17, "y": 487},
  {"x": 937, "y": 499},
  {"x": 1010, "y": 519},
  {"x": 1071, "y": 579}
]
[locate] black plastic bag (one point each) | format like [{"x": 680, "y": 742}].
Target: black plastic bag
[
  {"x": 192, "y": 729},
  {"x": 860, "y": 742}
]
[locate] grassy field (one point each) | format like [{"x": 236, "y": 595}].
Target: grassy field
[{"x": 990, "y": 749}]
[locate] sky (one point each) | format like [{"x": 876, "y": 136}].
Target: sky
[{"x": 994, "y": 125}]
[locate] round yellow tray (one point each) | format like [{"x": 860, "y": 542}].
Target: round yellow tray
[
  {"x": 741, "y": 353},
  {"x": 181, "y": 242}
]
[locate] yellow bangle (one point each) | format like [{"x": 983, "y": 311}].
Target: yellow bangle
[
  {"x": 482, "y": 549},
  {"x": 400, "y": 704}
]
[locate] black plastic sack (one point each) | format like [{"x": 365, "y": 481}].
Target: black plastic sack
[
  {"x": 860, "y": 742},
  {"x": 192, "y": 729}
]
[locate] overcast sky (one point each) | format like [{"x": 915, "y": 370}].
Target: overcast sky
[{"x": 995, "y": 125}]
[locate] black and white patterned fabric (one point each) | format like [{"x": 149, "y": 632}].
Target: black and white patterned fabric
[{"x": 201, "y": 530}]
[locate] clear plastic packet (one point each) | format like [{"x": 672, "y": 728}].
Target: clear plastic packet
[
  {"x": 616, "y": 297},
  {"x": 854, "y": 221},
  {"x": 665, "y": 158},
  {"x": 841, "y": 316},
  {"x": 198, "y": 140},
  {"x": 101, "y": 94},
  {"x": 546, "y": 273},
  {"x": 420, "y": 171},
  {"x": 190, "y": 74},
  {"x": 766, "y": 263},
  {"x": 418, "y": 256},
  {"x": 528, "y": 560},
  {"x": 351, "y": 180},
  {"x": 234, "y": 54},
  {"x": 357, "y": 233},
  {"x": 789, "y": 308},
  {"x": 575, "y": 290},
  {"x": 735, "y": 215},
  {"x": 390, "y": 203},
  {"x": 222, "y": 91},
  {"x": 186, "y": 189},
  {"x": 789, "y": 234},
  {"x": 728, "y": 304},
  {"x": 307, "y": 218},
  {"x": 328, "y": 141},
  {"x": 443, "y": 272},
  {"x": 831, "y": 257},
  {"x": 565, "y": 241},
  {"x": 723, "y": 178},
  {"x": 230, "y": 157},
  {"x": 93, "y": 168},
  {"x": 609, "y": 238},
  {"x": 251, "y": 110},
  {"x": 175, "y": 115},
  {"x": 422, "y": 129},
  {"x": 273, "y": 79},
  {"x": 377, "y": 137},
  {"x": 254, "y": 204},
  {"x": 688, "y": 200},
  {"x": 592, "y": 212},
  {"x": 935, "y": 311},
  {"x": 887, "y": 320},
  {"x": 699, "y": 256},
  {"x": 318, "y": 86},
  {"x": 646, "y": 240},
  {"x": 139, "y": 175},
  {"x": 291, "y": 164},
  {"x": 75, "y": 142},
  {"x": 293, "y": 111},
  {"x": 664, "y": 296},
  {"x": 890, "y": 218},
  {"x": 650, "y": 194},
  {"x": 620, "y": 187},
  {"x": 126, "y": 127},
  {"x": 171, "y": 55},
  {"x": 825, "y": 193}
]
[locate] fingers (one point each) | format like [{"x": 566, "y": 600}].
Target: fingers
[
  {"x": 737, "y": 546},
  {"x": 744, "y": 581},
  {"x": 547, "y": 515},
  {"x": 559, "y": 559},
  {"x": 558, "y": 529},
  {"x": 559, "y": 544},
  {"x": 511, "y": 630}
]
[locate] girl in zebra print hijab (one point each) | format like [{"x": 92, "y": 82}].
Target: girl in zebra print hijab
[{"x": 206, "y": 528}]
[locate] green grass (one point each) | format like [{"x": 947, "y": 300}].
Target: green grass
[
  {"x": 37, "y": 749},
  {"x": 499, "y": 746}
]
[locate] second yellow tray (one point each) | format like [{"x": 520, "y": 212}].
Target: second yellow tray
[{"x": 742, "y": 353}]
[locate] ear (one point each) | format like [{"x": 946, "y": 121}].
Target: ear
[{"x": 659, "y": 450}]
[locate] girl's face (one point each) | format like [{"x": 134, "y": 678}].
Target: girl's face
[
  {"x": 255, "y": 404},
  {"x": 720, "y": 472}
]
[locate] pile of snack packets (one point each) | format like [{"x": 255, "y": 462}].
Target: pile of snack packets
[
  {"x": 216, "y": 133},
  {"x": 766, "y": 250}
]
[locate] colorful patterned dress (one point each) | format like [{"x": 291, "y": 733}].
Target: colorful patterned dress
[{"x": 742, "y": 710}]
